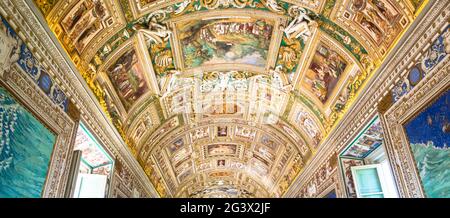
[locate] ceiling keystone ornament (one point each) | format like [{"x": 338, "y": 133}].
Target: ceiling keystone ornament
[{"x": 226, "y": 98}]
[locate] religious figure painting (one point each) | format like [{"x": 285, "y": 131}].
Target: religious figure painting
[
  {"x": 127, "y": 77},
  {"x": 74, "y": 16},
  {"x": 25, "y": 150},
  {"x": 324, "y": 72},
  {"x": 225, "y": 40},
  {"x": 220, "y": 163},
  {"x": 429, "y": 134},
  {"x": 185, "y": 174},
  {"x": 269, "y": 142}
]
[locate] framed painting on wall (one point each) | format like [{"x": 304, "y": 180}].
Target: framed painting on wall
[
  {"x": 26, "y": 147},
  {"x": 417, "y": 127}
]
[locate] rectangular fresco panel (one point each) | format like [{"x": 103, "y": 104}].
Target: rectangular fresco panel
[
  {"x": 127, "y": 76},
  {"x": 225, "y": 40},
  {"x": 26, "y": 146},
  {"x": 324, "y": 72},
  {"x": 83, "y": 22},
  {"x": 429, "y": 134}
]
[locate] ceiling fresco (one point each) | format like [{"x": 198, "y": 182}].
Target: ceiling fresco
[
  {"x": 94, "y": 159},
  {"x": 226, "y": 98}
]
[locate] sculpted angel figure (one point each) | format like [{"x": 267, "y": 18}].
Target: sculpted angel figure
[
  {"x": 447, "y": 41},
  {"x": 299, "y": 26}
]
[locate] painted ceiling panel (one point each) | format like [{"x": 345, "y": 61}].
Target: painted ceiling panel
[{"x": 227, "y": 98}]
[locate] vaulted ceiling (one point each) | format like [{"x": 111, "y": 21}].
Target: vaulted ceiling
[{"x": 226, "y": 98}]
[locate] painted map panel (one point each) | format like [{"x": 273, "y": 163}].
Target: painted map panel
[{"x": 225, "y": 40}]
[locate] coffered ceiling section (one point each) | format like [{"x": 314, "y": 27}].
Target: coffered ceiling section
[{"x": 226, "y": 98}]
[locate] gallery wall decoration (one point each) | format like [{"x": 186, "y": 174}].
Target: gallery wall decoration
[
  {"x": 26, "y": 149},
  {"x": 198, "y": 89},
  {"x": 433, "y": 56},
  {"x": 33, "y": 106},
  {"x": 405, "y": 59},
  {"x": 216, "y": 38},
  {"x": 94, "y": 157}
]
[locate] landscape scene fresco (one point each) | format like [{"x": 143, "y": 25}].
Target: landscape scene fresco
[
  {"x": 230, "y": 40},
  {"x": 127, "y": 76},
  {"x": 25, "y": 150},
  {"x": 429, "y": 135}
]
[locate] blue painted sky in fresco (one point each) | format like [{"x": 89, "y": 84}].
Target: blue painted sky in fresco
[{"x": 430, "y": 124}]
